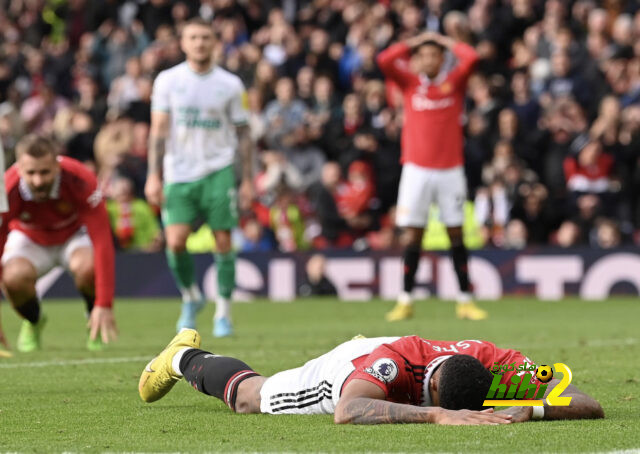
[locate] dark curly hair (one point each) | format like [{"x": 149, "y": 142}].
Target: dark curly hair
[{"x": 464, "y": 383}]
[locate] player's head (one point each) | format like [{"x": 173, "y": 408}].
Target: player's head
[
  {"x": 37, "y": 165},
  {"x": 460, "y": 382},
  {"x": 429, "y": 58},
  {"x": 197, "y": 41}
]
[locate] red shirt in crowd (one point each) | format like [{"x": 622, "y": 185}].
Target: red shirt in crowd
[
  {"x": 402, "y": 368},
  {"x": 75, "y": 201},
  {"x": 432, "y": 135},
  {"x": 593, "y": 178}
]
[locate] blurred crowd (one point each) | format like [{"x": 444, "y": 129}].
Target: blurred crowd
[{"x": 552, "y": 126}]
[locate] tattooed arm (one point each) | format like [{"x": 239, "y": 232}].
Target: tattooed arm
[
  {"x": 157, "y": 146},
  {"x": 363, "y": 402},
  {"x": 582, "y": 406},
  {"x": 245, "y": 148}
]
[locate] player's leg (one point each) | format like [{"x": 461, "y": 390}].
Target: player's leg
[
  {"x": 452, "y": 194},
  {"x": 414, "y": 199},
  {"x": 23, "y": 262},
  {"x": 178, "y": 213},
  {"x": 226, "y": 378},
  {"x": 219, "y": 204},
  {"x": 226, "y": 276}
]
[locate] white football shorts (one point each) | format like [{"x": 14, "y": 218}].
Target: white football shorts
[
  {"x": 315, "y": 387},
  {"x": 44, "y": 258},
  {"x": 421, "y": 186}
]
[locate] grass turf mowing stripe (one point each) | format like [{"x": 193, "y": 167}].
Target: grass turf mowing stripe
[{"x": 75, "y": 362}]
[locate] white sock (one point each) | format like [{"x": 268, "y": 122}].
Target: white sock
[
  {"x": 191, "y": 294},
  {"x": 223, "y": 308},
  {"x": 404, "y": 299},
  {"x": 464, "y": 298},
  {"x": 175, "y": 362}
]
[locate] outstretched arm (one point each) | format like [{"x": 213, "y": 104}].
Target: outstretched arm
[
  {"x": 582, "y": 406},
  {"x": 362, "y": 402}
]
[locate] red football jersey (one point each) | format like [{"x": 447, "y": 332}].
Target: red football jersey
[
  {"x": 403, "y": 368},
  {"x": 432, "y": 134},
  {"x": 75, "y": 201}
]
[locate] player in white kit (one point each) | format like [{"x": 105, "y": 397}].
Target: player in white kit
[{"x": 198, "y": 120}]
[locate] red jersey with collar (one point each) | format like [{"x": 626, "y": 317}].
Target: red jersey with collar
[
  {"x": 402, "y": 368},
  {"x": 75, "y": 201},
  {"x": 432, "y": 134}
]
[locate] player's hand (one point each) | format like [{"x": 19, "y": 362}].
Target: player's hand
[
  {"x": 518, "y": 414},
  {"x": 101, "y": 320},
  {"x": 246, "y": 194},
  {"x": 471, "y": 417},
  {"x": 153, "y": 189},
  {"x": 3, "y": 341}
]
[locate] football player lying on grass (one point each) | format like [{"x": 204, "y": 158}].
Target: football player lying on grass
[{"x": 362, "y": 381}]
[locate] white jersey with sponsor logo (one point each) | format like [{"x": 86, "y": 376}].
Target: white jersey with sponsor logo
[
  {"x": 315, "y": 387},
  {"x": 205, "y": 109}
]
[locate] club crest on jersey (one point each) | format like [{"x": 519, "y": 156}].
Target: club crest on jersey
[
  {"x": 446, "y": 88},
  {"x": 64, "y": 207},
  {"x": 25, "y": 216},
  {"x": 384, "y": 369}
]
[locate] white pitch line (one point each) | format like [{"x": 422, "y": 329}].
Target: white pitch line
[{"x": 76, "y": 362}]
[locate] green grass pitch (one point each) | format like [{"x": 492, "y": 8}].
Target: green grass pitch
[{"x": 64, "y": 398}]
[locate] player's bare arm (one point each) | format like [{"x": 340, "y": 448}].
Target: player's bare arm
[
  {"x": 363, "y": 402},
  {"x": 160, "y": 123},
  {"x": 582, "y": 406},
  {"x": 245, "y": 148}
]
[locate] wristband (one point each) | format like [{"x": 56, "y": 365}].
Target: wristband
[{"x": 538, "y": 412}]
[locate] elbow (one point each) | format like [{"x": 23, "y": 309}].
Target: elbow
[
  {"x": 596, "y": 410},
  {"x": 340, "y": 416}
]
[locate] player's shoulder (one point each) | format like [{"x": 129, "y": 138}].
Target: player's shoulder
[
  {"x": 227, "y": 77},
  {"x": 75, "y": 171},
  {"x": 172, "y": 72}
]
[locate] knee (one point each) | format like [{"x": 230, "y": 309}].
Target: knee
[
  {"x": 248, "y": 397},
  {"x": 84, "y": 277},
  {"x": 177, "y": 243},
  {"x": 411, "y": 238},
  {"x": 223, "y": 242},
  {"x": 455, "y": 236},
  {"x": 19, "y": 278}
]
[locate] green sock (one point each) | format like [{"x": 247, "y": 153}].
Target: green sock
[
  {"x": 226, "y": 265},
  {"x": 181, "y": 265}
]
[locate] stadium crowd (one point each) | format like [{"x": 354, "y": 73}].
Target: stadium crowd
[{"x": 552, "y": 127}]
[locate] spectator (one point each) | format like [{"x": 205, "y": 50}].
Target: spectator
[
  {"x": 133, "y": 222},
  {"x": 590, "y": 173},
  {"x": 607, "y": 234},
  {"x": 254, "y": 237},
  {"x": 316, "y": 282},
  {"x": 287, "y": 222},
  {"x": 39, "y": 110}
]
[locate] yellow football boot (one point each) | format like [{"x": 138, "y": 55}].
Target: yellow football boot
[
  {"x": 400, "y": 312},
  {"x": 470, "y": 311},
  {"x": 158, "y": 377}
]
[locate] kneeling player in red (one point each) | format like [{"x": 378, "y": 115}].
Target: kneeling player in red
[
  {"x": 56, "y": 217},
  {"x": 381, "y": 380}
]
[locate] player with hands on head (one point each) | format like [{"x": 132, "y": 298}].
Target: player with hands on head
[{"x": 432, "y": 154}]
